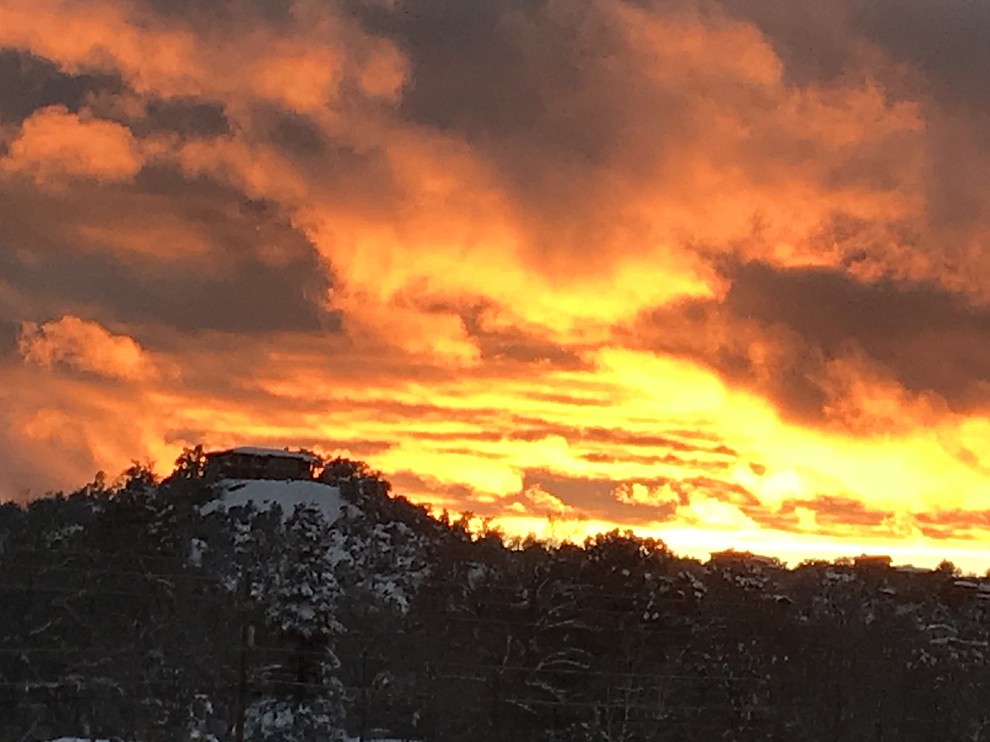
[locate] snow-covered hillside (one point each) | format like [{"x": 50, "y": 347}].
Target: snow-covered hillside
[
  {"x": 184, "y": 609},
  {"x": 287, "y": 494}
]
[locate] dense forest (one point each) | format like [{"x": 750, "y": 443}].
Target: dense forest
[{"x": 147, "y": 610}]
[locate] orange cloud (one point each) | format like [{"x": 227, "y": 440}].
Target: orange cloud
[
  {"x": 54, "y": 145},
  {"x": 84, "y": 346},
  {"x": 301, "y": 70},
  {"x": 462, "y": 228}
]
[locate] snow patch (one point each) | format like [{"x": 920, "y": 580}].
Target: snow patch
[
  {"x": 264, "y": 493},
  {"x": 197, "y": 547}
]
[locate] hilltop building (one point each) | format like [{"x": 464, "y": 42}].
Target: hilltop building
[
  {"x": 732, "y": 558},
  {"x": 872, "y": 561},
  {"x": 261, "y": 463}
]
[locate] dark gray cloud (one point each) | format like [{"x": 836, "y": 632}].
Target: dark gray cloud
[
  {"x": 252, "y": 298},
  {"x": 28, "y": 83},
  {"x": 296, "y": 135},
  {"x": 929, "y": 339},
  {"x": 933, "y": 340},
  {"x": 813, "y": 40},
  {"x": 946, "y": 40},
  {"x": 592, "y": 494},
  {"x": 597, "y": 496},
  {"x": 9, "y": 330},
  {"x": 514, "y": 344},
  {"x": 214, "y": 13},
  {"x": 187, "y": 117},
  {"x": 470, "y": 68},
  {"x": 707, "y": 332},
  {"x": 937, "y": 55},
  {"x": 237, "y": 286},
  {"x": 947, "y": 45},
  {"x": 547, "y": 92},
  {"x": 326, "y": 160}
]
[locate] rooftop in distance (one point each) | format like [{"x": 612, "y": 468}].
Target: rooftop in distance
[
  {"x": 252, "y": 462},
  {"x": 283, "y": 453}
]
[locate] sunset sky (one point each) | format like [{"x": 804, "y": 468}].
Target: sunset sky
[{"x": 714, "y": 271}]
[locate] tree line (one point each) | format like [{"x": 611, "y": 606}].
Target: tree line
[{"x": 141, "y": 610}]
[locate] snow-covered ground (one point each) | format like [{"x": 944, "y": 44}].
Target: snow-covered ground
[{"x": 263, "y": 493}]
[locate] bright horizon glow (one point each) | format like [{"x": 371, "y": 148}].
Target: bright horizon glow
[{"x": 791, "y": 550}]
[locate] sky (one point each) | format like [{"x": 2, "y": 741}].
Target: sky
[{"x": 713, "y": 271}]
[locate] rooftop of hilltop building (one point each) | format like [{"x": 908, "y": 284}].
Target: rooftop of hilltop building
[
  {"x": 252, "y": 462},
  {"x": 256, "y": 462},
  {"x": 283, "y": 453}
]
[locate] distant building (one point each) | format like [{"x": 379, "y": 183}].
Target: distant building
[
  {"x": 872, "y": 561},
  {"x": 971, "y": 588},
  {"x": 260, "y": 463},
  {"x": 732, "y": 558}
]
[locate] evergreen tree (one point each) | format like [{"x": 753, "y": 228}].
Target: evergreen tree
[{"x": 303, "y": 698}]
